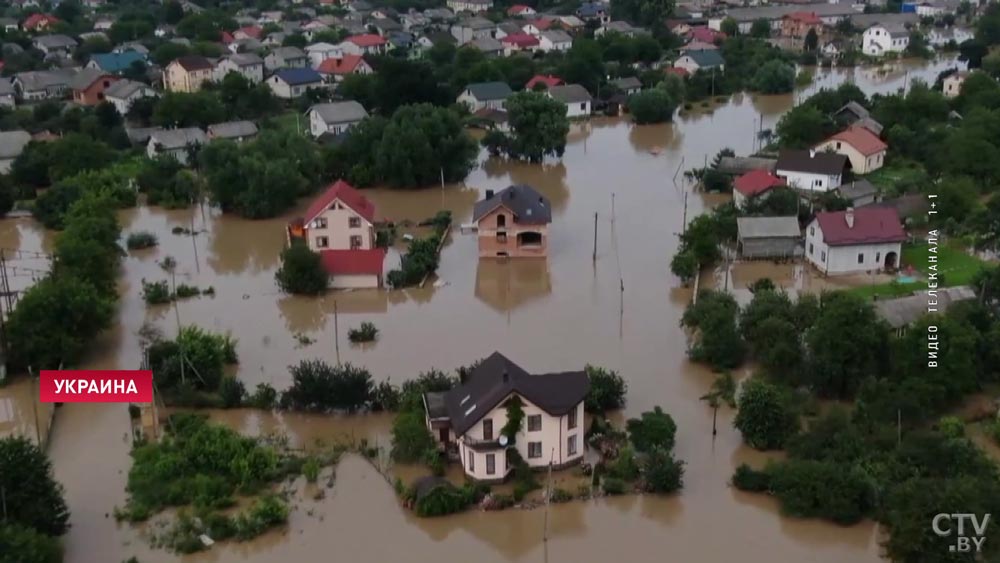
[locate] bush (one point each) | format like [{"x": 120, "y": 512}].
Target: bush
[
  {"x": 651, "y": 106},
  {"x": 560, "y": 495},
  {"x": 809, "y": 489},
  {"x": 607, "y": 390},
  {"x": 318, "y": 386},
  {"x": 661, "y": 472},
  {"x": 624, "y": 466},
  {"x": 301, "y": 271},
  {"x": 232, "y": 392},
  {"x": 184, "y": 291},
  {"x": 311, "y": 469},
  {"x": 265, "y": 513},
  {"x": 441, "y": 500},
  {"x": 204, "y": 356},
  {"x": 410, "y": 438},
  {"x": 156, "y": 293},
  {"x": 774, "y": 77},
  {"x": 386, "y": 397},
  {"x": 419, "y": 261},
  {"x": 140, "y": 240},
  {"x": 765, "y": 417},
  {"x": 613, "y": 486},
  {"x": 366, "y": 333},
  {"x": 21, "y": 544},
  {"x": 749, "y": 479},
  {"x": 522, "y": 488},
  {"x": 655, "y": 429}
]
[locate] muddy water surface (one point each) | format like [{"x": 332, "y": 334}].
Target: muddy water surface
[{"x": 546, "y": 315}]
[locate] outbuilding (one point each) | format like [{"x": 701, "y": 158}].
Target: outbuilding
[{"x": 768, "y": 237}]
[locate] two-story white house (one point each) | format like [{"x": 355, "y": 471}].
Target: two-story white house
[
  {"x": 334, "y": 117},
  {"x": 472, "y": 417},
  {"x": 251, "y": 66},
  {"x": 880, "y": 39},
  {"x": 864, "y": 149},
  {"x": 340, "y": 226},
  {"x": 856, "y": 240},
  {"x": 810, "y": 170}
]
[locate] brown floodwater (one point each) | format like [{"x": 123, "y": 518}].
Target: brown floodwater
[{"x": 556, "y": 314}]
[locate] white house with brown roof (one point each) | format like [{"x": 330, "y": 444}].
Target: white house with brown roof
[
  {"x": 856, "y": 240},
  {"x": 810, "y": 170},
  {"x": 339, "y": 225},
  {"x": 469, "y": 420},
  {"x": 862, "y": 147}
]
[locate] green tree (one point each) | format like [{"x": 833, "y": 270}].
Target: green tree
[
  {"x": 422, "y": 142},
  {"x": 643, "y": 12},
  {"x": 182, "y": 109},
  {"x": 765, "y": 417},
  {"x": 410, "y": 438},
  {"x": 32, "y": 497},
  {"x": 538, "y": 126},
  {"x": 651, "y": 106},
  {"x": 810, "y": 489},
  {"x": 318, "y": 386},
  {"x": 730, "y": 27},
  {"x": 760, "y": 28},
  {"x": 661, "y": 473},
  {"x": 88, "y": 248},
  {"x": 714, "y": 318},
  {"x": 811, "y": 42},
  {"x": 845, "y": 345},
  {"x": 301, "y": 271},
  {"x": 654, "y": 429},
  {"x": 607, "y": 390},
  {"x": 802, "y": 126},
  {"x": 774, "y": 77},
  {"x": 20, "y": 544}
]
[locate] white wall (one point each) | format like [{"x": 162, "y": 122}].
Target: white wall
[
  {"x": 354, "y": 281},
  {"x": 338, "y": 231},
  {"x": 835, "y": 260},
  {"x": 581, "y": 109},
  {"x": 877, "y": 41},
  {"x": 812, "y": 182},
  {"x": 860, "y": 163}
]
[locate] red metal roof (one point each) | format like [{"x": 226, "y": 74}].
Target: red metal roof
[
  {"x": 757, "y": 182},
  {"x": 548, "y": 79},
  {"x": 809, "y": 18},
  {"x": 520, "y": 40},
  {"x": 518, "y": 8},
  {"x": 34, "y": 20},
  {"x": 227, "y": 37},
  {"x": 543, "y": 24},
  {"x": 866, "y": 142},
  {"x": 871, "y": 225},
  {"x": 344, "y": 65},
  {"x": 366, "y": 40},
  {"x": 346, "y": 194},
  {"x": 254, "y": 31},
  {"x": 353, "y": 262},
  {"x": 705, "y": 33}
]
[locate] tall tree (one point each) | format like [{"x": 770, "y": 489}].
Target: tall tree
[
  {"x": 848, "y": 343},
  {"x": 32, "y": 497},
  {"x": 538, "y": 126}
]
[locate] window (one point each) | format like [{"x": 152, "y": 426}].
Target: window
[
  {"x": 811, "y": 248},
  {"x": 354, "y": 222},
  {"x": 861, "y": 258},
  {"x": 491, "y": 464},
  {"x": 534, "y": 422},
  {"x": 501, "y": 221},
  {"x": 502, "y": 238},
  {"x": 472, "y": 461},
  {"x": 355, "y": 242},
  {"x": 817, "y": 183},
  {"x": 571, "y": 445},
  {"x": 571, "y": 420},
  {"x": 534, "y": 450},
  {"x": 812, "y": 230},
  {"x": 583, "y": 106},
  {"x": 822, "y": 256},
  {"x": 322, "y": 242},
  {"x": 488, "y": 429},
  {"x": 838, "y": 145},
  {"x": 878, "y": 256},
  {"x": 319, "y": 223}
]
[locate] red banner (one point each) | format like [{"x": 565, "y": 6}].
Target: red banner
[{"x": 96, "y": 386}]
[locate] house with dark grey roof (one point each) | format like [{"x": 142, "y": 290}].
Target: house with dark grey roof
[
  {"x": 53, "y": 45},
  {"x": 12, "y": 143},
  {"x": 286, "y": 57},
  {"x": 853, "y": 113},
  {"x": 469, "y": 29},
  {"x": 768, "y": 237},
  {"x": 513, "y": 223},
  {"x": 576, "y": 98},
  {"x": 334, "y": 117},
  {"x": 36, "y": 85},
  {"x": 810, "y": 170},
  {"x": 858, "y": 192},
  {"x": 237, "y": 131},
  {"x": 123, "y": 93},
  {"x": 693, "y": 61},
  {"x": 469, "y": 420},
  {"x": 481, "y": 95},
  {"x": 291, "y": 83},
  {"x": 901, "y": 312},
  {"x": 178, "y": 143},
  {"x": 628, "y": 85}
]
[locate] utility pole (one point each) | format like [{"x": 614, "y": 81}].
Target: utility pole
[
  {"x": 34, "y": 406},
  {"x": 442, "y": 178},
  {"x": 725, "y": 288},
  {"x": 684, "y": 220},
  {"x": 548, "y": 498},
  {"x": 595, "y": 237},
  {"x": 336, "y": 330}
]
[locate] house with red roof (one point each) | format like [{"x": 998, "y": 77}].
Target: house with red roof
[
  {"x": 336, "y": 68},
  {"x": 864, "y": 149},
  {"x": 339, "y": 225},
  {"x": 519, "y": 42},
  {"x": 754, "y": 184},
  {"x": 797, "y": 25},
  {"x": 546, "y": 80},
  {"x": 866, "y": 239},
  {"x": 249, "y": 32},
  {"x": 520, "y": 10},
  {"x": 536, "y": 27},
  {"x": 705, "y": 34},
  {"x": 364, "y": 44},
  {"x": 39, "y": 22}
]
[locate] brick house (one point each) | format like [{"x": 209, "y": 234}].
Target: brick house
[
  {"x": 796, "y": 25},
  {"x": 513, "y": 223},
  {"x": 89, "y": 85}
]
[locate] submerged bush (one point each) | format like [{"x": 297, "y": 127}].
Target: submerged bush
[
  {"x": 140, "y": 240},
  {"x": 366, "y": 333}
]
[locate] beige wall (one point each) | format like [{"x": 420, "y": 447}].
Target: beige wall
[
  {"x": 338, "y": 230},
  {"x": 860, "y": 163},
  {"x": 358, "y": 281},
  {"x": 176, "y": 79},
  {"x": 554, "y": 438},
  {"x": 490, "y": 245}
]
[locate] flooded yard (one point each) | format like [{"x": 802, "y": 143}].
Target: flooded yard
[{"x": 546, "y": 315}]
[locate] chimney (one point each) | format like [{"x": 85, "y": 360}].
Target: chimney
[
  {"x": 489, "y": 194},
  {"x": 849, "y": 217},
  {"x": 812, "y": 153}
]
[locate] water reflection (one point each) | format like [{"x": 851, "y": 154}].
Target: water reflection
[{"x": 505, "y": 285}]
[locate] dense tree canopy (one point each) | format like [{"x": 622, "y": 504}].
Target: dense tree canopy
[
  {"x": 301, "y": 271},
  {"x": 32, "y": 497},
  {"x": 765, "y": 416}
]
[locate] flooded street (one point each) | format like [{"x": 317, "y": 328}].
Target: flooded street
[{"x": 551, "y": 315}]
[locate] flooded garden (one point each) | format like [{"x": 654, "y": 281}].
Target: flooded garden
[{"x": 620, "y": 310}]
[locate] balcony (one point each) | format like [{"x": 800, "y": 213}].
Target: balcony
[{"x": 480, "y": 445}]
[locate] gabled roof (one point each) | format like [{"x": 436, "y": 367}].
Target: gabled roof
[
  {"x": 815, "y": 162},
  {"x": 808, "y": 18},
  {"x": 486, "y": 44},
  {"x": 193, "y": 62},
  {"x": 557, "y": 36},
  {"x": 484, "y": 91},
  {"x": 768, "y": 227},
  {"x": 496, "y": 377},
  {"x": 346, "y": 194},
  {"x": 704, "y": 34},
  {"x": 756, "y": 182},
  {"x": 548, "y": 80},
  {"x": 872, "y": 225},
  {"x": 122, "y": 89},
  {"x": 34, "y": 80},
  {"x": 287, "y": 53},
  {"x": 353, "y": 262},
  {"x": 343, "y": 65},
  {"x": 340, "y": 112},
  {"x": 34, "y": 20},
  {"x": 857, "y": 189},
  {"x": 705, "y": 59},
  {"x": 863, "y": 140},
  {"x": 245, "y": 59},
  {"x": 55, "y": 41},
  {"x": 85, "y": 78},
  {"x": 254, "y": 31},
  {"x": 117, "y": 62},
  {"x": 520, "y": 40},
  {"x": 627, "y": 83},
  {"x": 366, "y": 40},
  {"x": 12, "y": 143},
  {"x": 178, "y": 138},
  {"x": 298, "y": 76},
  {"x": 570, "y": 94},
  {"x": 232, "y": 129},
  {"x": 528, "y": 206},
  {"x": 904, "y": 311}
]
